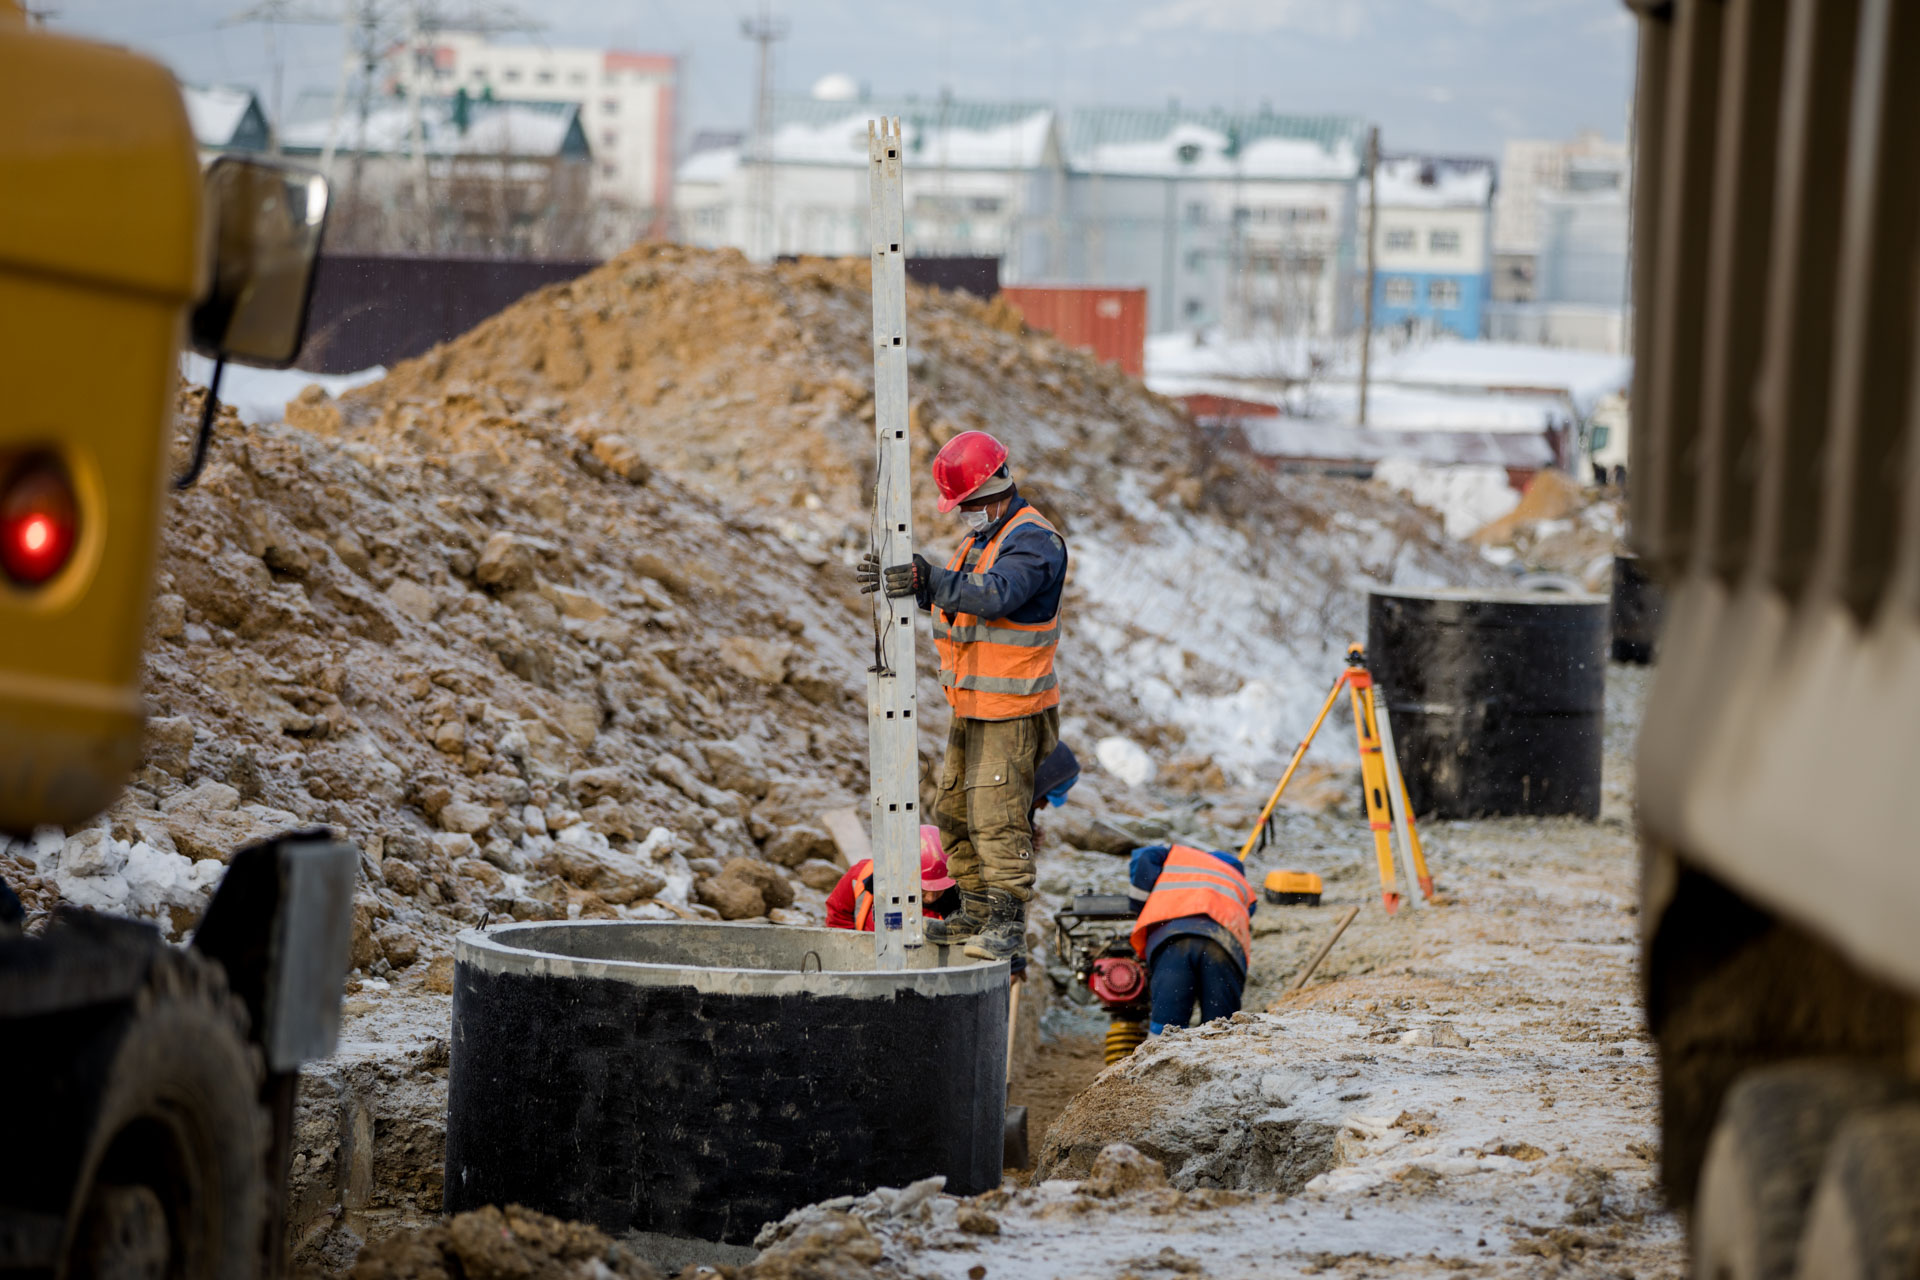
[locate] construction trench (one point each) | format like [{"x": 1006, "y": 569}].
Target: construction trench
[{"x": 557, "y": 624}]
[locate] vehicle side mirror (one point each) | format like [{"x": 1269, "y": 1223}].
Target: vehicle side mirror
[{"x": 263, "y": 226}]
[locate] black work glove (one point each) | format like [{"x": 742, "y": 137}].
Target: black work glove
[{"x": 912, "y": 579}]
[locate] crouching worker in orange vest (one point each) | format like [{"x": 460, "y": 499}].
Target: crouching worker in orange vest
[
  {"x": 1195, "y": 931},
  {"x": 850, "y": 905},
  {"x": 996, "y": 622}
]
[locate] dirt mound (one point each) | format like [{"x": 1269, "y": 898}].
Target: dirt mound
[
  {"x": 491, "y": 1244},
  {"x": 1561, "y": 527},
  {"x": 526, "y": 682},
  {"x": 556, "y": 621},
  {"x": 757, "y": 382}
]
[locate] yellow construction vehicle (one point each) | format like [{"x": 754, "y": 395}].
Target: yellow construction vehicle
[{"x": 149, "y": 1088}]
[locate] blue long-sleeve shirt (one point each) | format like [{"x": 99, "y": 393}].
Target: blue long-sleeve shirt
[
  {"x": 1143, "y": 872},
  {"x": 1024, "y": 583}
]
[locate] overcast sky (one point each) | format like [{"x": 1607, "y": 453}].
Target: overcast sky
[{"x": 1444, "y": 76}]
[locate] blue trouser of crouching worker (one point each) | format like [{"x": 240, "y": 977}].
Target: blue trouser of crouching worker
[{"x": 1190, "y": 967}]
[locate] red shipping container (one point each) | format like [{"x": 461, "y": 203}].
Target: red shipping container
[{"x": 1111, "y": 323}]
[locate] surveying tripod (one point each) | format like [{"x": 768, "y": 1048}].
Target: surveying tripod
[{"x": 1386, "y": 789}]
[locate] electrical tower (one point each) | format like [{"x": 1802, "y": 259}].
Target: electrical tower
[
  {"x": 371, "y": 30},
  {"x": 765, "y": 31}
]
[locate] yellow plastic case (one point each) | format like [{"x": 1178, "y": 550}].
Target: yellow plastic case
[{"x": 1291, "y": 889}]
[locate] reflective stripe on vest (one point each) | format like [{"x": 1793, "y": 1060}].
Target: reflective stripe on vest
[
  {"x": 863, "y": 894},
  {"x": 994, "y": 668},
  {"x": 1195, "y": 883}
]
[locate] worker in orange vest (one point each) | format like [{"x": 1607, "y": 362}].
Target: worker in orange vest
[
  {"x": 1195, "y": 931},
  {"x": 996, "y": 623},
  {"x": 850, "y": 905}
]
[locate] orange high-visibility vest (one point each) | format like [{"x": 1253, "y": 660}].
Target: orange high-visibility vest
[
  {"x": 996, "y": 669},
  {"x": 863, "y": 894},
  {"x": 1195, "y": 883}
]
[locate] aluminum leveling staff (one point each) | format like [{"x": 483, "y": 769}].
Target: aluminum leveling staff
[{"x": 996, "y": 622}]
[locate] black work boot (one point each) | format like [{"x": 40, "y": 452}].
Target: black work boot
[
  {"x": 1005, "y": 935},
  {"x": 962, "y": 924}
]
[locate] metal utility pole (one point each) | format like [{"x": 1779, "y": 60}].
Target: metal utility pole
[
  {"x": 893, "y": 760},
  {"x": 765, "y": 31},
  {"x": 1373, "y": 236}
]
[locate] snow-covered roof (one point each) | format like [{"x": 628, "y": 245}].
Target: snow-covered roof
[
  {"x": 493, "y": 128},
  {"x": 954, "y": 135},
  {"x": 225, "y": 116},
  {"x": 1583, "y": 377},
  {"x": 1419, "y": 182},
  {"x": 1213, "y": 144},
  {"x": 1511, "y": 385},
  {"x": 1337, "y": 442},
  {"x": 1335, "y": 400}
]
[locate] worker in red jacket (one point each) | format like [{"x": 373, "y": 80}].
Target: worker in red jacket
[{"x": 850, "y": 905}]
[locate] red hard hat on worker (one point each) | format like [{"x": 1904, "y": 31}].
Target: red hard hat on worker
[{"x": 964, "y": 463}]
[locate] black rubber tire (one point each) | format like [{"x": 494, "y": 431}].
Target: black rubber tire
[
  {"x": 181, "y": 1118},
  {"x": 1865, "y": 1220},
  {"x": 1765, "y": 1156}
]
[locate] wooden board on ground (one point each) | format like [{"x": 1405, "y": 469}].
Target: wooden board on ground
[{"x": 849, "y": 834}]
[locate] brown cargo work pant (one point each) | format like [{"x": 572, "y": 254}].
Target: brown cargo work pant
[{"x": 986, "y": 795}]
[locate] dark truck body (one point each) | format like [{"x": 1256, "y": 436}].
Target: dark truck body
[
  {"x": 1776, "y": 497},
  {"x": 275, "y": 939}
]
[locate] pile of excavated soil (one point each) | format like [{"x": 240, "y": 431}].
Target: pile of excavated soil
[
  {"x": 557, "y": 620},
  {"x": 489, "y": 1244}
]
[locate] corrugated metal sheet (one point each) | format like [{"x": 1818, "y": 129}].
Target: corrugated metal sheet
[
  {"x": 1111, "y": 323},
  {"x": 374, "y": 309}
]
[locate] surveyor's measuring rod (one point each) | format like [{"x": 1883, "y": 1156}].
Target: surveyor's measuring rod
[{"x": 892, "y": 755}]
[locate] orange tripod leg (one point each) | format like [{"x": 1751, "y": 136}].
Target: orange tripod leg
[
  {"x": 1299, "y": 754},
  {"x": 1373, "y": 775},
  {"x": 1413, "y": 842}
]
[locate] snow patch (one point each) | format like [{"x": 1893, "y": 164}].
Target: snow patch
[{"x": 1466, "y": 498}]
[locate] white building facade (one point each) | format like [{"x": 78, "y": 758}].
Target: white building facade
[
  {"x": 1433, "y": 257},
  {"x": 628, "y": 109},
  {"x": 1241, "y": 221},
  {"x": 980, "y": 180},
  {"x": 1560, "y": 244}
]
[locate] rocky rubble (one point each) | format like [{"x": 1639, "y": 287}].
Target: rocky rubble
[{"x": 555, "y": 620}]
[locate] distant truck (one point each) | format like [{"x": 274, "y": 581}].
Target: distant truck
[
  {"x": 1776, "y": 493},
  {"x": 149, "y": 1089}
]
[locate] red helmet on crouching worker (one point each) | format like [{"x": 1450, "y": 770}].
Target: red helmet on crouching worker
[{"x": 963, "y": 464}]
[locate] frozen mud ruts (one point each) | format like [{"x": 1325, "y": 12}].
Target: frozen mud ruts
[
  {"x": 1497, "y": 698},
  {"x": 1636, "y": 611},
  {"x": 698, "y": 1080}
]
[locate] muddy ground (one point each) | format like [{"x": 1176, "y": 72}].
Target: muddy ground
[{"x": 1463, "y": 1089}]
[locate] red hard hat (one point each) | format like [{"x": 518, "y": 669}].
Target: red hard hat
[
  {"x": 933, "y": 863},
  {"x": 963, "y": 464}
]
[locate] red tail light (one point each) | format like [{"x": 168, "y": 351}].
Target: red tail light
[{"x": 39, "y": 521}]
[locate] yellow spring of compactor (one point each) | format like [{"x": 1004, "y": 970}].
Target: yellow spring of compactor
[{"x": 1123, "y": 1038}]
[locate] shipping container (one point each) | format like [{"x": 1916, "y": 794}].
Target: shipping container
[{"x": 1111, "y": 323}]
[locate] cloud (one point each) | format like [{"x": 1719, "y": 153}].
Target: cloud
[{"x": 1343, "y": 19}]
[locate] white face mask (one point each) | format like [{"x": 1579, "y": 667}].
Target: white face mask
[{"x": 977, "y": 520}]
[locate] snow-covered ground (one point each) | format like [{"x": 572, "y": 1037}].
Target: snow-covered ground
[
  {"x": 1466, "y": 1087},
  {"x": 261, "y": 395},
  {"x": 1466, "y": 498},
  {"x": 1232, "y": 637}
]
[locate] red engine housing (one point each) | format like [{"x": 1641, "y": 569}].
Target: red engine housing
[{"x": 1118, "y": 980}]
